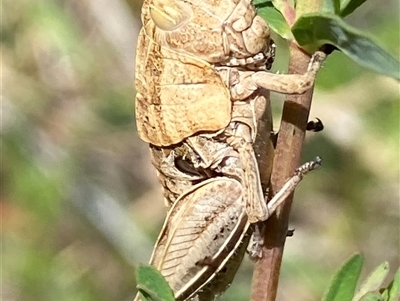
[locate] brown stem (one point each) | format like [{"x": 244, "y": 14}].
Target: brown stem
[{"x": 287, "y": 159}]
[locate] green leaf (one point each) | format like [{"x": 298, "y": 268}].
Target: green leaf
[
  {"x": 372, "y": 297},
  {"x": 260, "y": 3},
  {"x": 349, "y": 6},
  {"x": 152, "y": 285},
  {"x": 314, "y": 30},
  {"x": 274, "y": 19},
  {"x": 392, "y": 293},
  {"x": 374, "y": 281},
  {"x": 331, "y": 6},
  {"x": 284, "y": 5},
  {"x": 344, "y": 283}
]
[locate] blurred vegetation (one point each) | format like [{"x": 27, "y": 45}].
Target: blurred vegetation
[{"x": 80, "y": 202}]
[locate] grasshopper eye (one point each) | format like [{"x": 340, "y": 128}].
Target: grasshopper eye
[{"x": 169, "y": 15}]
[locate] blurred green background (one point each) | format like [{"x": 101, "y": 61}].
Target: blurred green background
[{"x": 80, "y": 202}]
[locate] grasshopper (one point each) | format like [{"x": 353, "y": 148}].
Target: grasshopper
[
  {"x": 202, "y": 96},
  {"x": 194, "y": 61}
]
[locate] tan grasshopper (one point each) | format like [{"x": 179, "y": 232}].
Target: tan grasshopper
[
  {"x": 202, "y": 96},
  {"x": 194, "y": 60}
]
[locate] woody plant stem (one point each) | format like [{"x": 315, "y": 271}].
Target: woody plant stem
[{"x": 287, "y": 158}]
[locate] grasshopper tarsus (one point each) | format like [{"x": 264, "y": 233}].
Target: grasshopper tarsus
[{"x": 308, "y": 166}]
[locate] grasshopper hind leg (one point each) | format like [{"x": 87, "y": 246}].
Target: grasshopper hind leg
[{"x": 288, "y": 188}]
